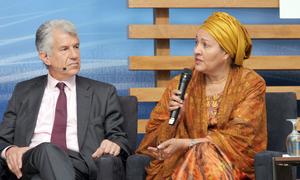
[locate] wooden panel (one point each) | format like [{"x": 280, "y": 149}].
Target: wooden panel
[
  {"x": 161, "y": 46},
  {"x": 142, "y": 125},
  {"x": 181, "y": 62},
  {"x": 147, "y": 94},
  {"x": 160, "y": 62},
  {"x": 189, "y": 31},
  {"x": 295, "y": 89},
  {"x": 203, "y": 3},
  {"x": 161, "y": 16},
  {"x": 273, "y": 62},
  {"x": 154, "y": 94}
]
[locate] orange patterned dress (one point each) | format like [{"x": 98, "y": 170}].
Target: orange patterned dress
[
  {"x": 199, "y": 160},
  {"x": 234, "y": 121}
]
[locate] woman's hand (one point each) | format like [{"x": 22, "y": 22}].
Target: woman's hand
[
  {"x": 169, "y": 147},
  {"x": 175, "y": 101}
]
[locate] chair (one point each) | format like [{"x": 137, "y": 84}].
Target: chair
[
  {"x": 109, "y": 166},
  {"x": 280, "y": 106},
  {"x": 135, "y": 166}
]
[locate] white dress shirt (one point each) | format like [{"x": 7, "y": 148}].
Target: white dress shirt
[{"x": 45, "y": 119}]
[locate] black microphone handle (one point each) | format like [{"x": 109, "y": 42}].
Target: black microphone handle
[
  {"x": 182, "y": 87},
  {"x": 183, "y": 84},
  {"x": 175, "y": 112}
]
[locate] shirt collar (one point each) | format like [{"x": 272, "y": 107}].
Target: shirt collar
[{"x": 70, "y": 83}]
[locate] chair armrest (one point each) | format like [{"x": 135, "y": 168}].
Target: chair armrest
[
  {"x": 135, "y": 166},
  {"x": 110, "y": 167},
  {"x": 263, "y": 165}
]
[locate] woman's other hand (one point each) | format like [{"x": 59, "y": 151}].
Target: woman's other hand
[{"x": 167, "y": 148}]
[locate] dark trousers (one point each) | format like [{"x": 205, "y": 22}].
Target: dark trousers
[{"x": 48, "y": 162}]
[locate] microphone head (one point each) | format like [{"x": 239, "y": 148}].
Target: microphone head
[
  {"x": 186, "y": 74},
  {"x": 187, "y": 71}
]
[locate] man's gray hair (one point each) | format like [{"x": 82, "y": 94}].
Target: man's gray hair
[{"x": 44, "y": 38}]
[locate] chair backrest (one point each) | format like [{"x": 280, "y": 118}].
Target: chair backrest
[
  {"x": 129, "y": 107},
  {"x": 280, "y": 106}
]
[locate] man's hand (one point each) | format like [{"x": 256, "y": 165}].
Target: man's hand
[
  {"x": 14, "y": 159},
  {"x": 107, "y": 147}
]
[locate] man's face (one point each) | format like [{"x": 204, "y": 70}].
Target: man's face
[{"x": 65, "y": 54}]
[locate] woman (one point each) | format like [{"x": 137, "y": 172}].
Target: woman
[{"x": 222, "y": 123}]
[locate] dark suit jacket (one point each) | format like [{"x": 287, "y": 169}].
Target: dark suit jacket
[{"x": 98, "y": 116}]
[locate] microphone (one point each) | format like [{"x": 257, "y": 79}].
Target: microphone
[
  {"x": 60, "y": 69},
  {"x": 185, "y": 78}
]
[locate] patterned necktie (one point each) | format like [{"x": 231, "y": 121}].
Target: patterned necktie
[{"x": 58, "y": 136}]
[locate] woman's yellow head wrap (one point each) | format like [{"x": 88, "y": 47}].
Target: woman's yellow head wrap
[{"x": 231, "y": 35}]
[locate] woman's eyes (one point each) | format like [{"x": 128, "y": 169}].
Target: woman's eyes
[{"x": 204, "y": 44}]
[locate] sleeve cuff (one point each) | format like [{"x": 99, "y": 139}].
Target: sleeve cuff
[{"x": 3, "y": 156}]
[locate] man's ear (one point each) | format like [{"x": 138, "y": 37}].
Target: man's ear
[{"x": 44, "y": 57}]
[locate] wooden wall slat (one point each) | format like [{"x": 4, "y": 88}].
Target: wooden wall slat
[
  {"x": 154, "y": 94},
  {"x": 147, "y": 94},
  {"x": 142, "y": 125},
  {"x": 203, "y": 4},
  {"x": 295, "y": 89},
  {"x": 159, "y": 62},
  {"x": 181, "y": 62},
  {"x": 161, "y": 46},
  {"x": 265, "y": 31},
  {"x": 273, "y": 62}
]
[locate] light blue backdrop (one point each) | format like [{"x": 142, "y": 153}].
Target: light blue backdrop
[{"x": 102, "y": 27}]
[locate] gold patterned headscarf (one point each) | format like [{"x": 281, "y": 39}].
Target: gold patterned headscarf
[{"x": 231, "y": 35}]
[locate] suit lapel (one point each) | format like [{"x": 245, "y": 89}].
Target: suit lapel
[
  {"x": 34, "y": 102},
  {"x": 84, "y": 97}
]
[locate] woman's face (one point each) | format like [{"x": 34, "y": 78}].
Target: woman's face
[{"x": 210, "y": 58}]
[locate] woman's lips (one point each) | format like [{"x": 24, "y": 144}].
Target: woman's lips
[{"x": 198, "y": 61}]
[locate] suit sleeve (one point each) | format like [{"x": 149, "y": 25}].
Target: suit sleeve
[
  {"x": 113, "y": 123},
  {"x": 7, "y": 127}
]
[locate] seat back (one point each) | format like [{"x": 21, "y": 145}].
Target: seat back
[
  {"x": 280, "y": 106},
  {"x": 129, "y": 106}
]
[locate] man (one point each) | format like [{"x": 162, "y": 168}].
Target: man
[{"x": 56, "y": 126}]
